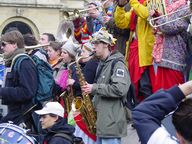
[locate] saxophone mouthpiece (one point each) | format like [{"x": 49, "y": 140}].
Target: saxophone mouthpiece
[{"x": 92, "y": 53}]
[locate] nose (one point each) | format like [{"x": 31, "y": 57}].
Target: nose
[{"x": 41, "y": 119}]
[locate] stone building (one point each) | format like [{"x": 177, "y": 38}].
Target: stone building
[{"x": 35, "y": 16}]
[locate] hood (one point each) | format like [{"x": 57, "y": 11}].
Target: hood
[{"x": 61, "y": 126}]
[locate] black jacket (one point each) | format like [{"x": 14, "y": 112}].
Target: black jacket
[
  {"x": 60, "y": 127},
  {"x": 89, "y": 70},
  {"x": 20, "y": 87}
]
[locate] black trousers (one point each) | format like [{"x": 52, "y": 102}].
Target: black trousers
[{"x": 145, "y": 88}]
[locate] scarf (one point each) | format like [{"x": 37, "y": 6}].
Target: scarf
[{"x": 9, "y": 57}]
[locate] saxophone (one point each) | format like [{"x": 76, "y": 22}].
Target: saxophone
[{"x": 84, "y": 105}]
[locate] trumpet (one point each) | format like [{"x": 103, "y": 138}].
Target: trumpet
[
  {"x": 83, "y": 13},
  {"x": 152, "y": 20}
]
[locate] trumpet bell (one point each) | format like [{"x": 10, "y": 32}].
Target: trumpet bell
[
  {"x": 76, "y": 13},
  {"x": 66, "y": 15}
]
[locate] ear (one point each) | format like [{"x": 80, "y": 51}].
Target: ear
[
  {"x": 56, "y": 118},
  {"x": 15, "y": 45},
  {"x": 180, "y": 138},
  {"x": 58, "y": 52}
]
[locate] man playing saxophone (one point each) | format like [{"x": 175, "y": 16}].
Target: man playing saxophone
[{"x": 108, "y": 90}]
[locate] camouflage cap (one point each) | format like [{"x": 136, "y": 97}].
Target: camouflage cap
[{"x": 104, "y": 36}]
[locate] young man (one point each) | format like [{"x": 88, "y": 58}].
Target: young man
[
  {"x": 46, "y": 38},
  {"x": 148, "y": 115},
  {"x": 109, "y": 90},
  {"x": 52, "y": 123},
  {"x": 20, "y": 84}
]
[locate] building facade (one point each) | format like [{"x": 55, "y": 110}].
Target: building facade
[{"x": 35, "y": 16}]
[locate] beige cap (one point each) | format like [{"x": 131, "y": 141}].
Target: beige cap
[{"x": 104, "y": 36}]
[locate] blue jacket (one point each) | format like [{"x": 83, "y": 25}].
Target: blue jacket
[
  {"x": 147, "y": 116},
  {"x": 20, "y": 87},
  {"x": 60, "y": 127}
]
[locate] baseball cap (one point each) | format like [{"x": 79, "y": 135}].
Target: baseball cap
[
  {"x": 104, "y": 36},
  {"x": 52, "y": 108}
]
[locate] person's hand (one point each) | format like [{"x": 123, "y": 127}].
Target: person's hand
[
  {"x": 122, "y": 3},
  {"x": 154, "y": 13},
  {"x": 87, "y": 88},
  {"x": 77, "y": 22},
  {"x": 106, "y": 19},
  {"x": 93, "y": 11},
  {"x": 70, "y": 82}
]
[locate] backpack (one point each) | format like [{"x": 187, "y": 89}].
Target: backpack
[
  {"x": 72, "y": 139},
  {"x": 130, "y": 100},
  {"x": 44, "y": 73}
]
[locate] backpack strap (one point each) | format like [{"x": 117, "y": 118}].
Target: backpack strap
[
  {"x": 65, "y": 136},
  {"x": 18, "y": 59},
  {"x": 130, "y": 100},
  {"x": 15, "y": 64},
  {"x": 113, "y": 64}
]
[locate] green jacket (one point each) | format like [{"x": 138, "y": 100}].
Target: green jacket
[{"x": 111, "y": 121}]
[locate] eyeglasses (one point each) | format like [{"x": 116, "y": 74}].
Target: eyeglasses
[{"x": 3, "y": 43}]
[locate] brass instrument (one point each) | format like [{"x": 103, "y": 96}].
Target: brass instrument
[
  {"x": 36, "y": 46},
  {"x": 69, "y": 96},
  {"x": 82, "y": 13},
  {"x": 84, "y": 105},
  {"x": 65, "y": 31},
  {"x": 152, "y": 20}
]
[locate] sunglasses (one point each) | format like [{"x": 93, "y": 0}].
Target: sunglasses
[{"x": 3, "y": 43}]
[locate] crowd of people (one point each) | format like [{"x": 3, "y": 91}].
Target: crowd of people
[{"x": 94, "y": 60}]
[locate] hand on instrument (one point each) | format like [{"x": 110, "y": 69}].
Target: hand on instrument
[
  {"x": 77, "y": 22},
  {"x": 122, "y": 3},
  {"x": 70, "y": 82},
  {"x": 87, "y": 88},
  {"x": 93, "y": 11},
  {"x": 154, "y": 13}
]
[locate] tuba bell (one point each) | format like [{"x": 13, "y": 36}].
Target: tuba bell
[{"x": 65, "y": 31}]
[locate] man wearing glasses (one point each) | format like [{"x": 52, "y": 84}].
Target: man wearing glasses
[{"x": 20, "y": 84}]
